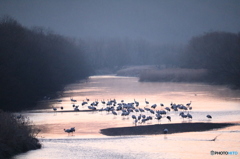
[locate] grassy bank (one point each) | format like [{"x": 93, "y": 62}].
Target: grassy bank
[
  {"x": 17, "y": 135},
  {"x": 135, "y": 71},
  {"x": 174, "y": 75}
]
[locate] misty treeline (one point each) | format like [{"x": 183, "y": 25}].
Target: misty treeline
[
  {"x": 114, "y": 54},
  {"x": 218, "y": 53},
  {"x": 35, "y": 62}
]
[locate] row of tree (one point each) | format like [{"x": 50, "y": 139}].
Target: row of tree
[
  {"x": 34, "y": 63},
  {"x": 116, "y": 53},
  {"x": 219, "y": 53}
]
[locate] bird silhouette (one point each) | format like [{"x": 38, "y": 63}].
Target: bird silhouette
[
  {"x": 165, "y": 131},
  {"x": 169, "y": 118},
  {"x": 209, "y": 116},
  {"x": 146, "y": 101},
  {"x": 71, "y": 130},
  {"x": 55, "y": 109}
]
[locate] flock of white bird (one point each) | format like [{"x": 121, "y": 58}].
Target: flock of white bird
[{"x": 149, "y": 112}]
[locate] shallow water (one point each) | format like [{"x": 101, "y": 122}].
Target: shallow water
[{"x": 222, "y": 103}]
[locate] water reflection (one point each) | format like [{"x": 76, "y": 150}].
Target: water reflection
[
  {"x": 222, "y": 103},
  {"x": 184, "y": 145},
  {"x": 205, "y": 100}
]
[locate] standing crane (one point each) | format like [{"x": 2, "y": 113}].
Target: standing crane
[{"x": 146, "y": 101}]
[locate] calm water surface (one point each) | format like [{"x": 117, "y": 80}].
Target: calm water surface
[{"x": 219, "y": 101}]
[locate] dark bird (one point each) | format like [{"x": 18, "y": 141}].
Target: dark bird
[
  {"x": 209, "y": 116},
  {"x": 134, "y": 117},
  {"x": 55, "y": 109},
  {"x": 189, "y": 116},
  {"x": 146, "y": 101},
  {"x": 114, "y": 113},
  {"x": 165, "y": 131},
  {"x": 168, "y": 109},
  {"x": 188, "y": 104},
  {"x": 71, "y": 130},
  {"x": 169, "y": 118},
  {"x": 154, "y": 106}
]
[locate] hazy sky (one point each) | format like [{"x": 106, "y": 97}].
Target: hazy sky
[{"x": 160, "y": 21}]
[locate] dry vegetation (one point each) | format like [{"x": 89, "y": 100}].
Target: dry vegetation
[
  {"x": 174, "y": 75},
  {"x": 17, "y": 135},
  {"x": 135, "y": 71}
]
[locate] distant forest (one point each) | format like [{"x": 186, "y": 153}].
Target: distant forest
[
  {"x": 219, "y": 53},
  {"x": 216, "y": 52},
  {"x": 117, "y": 53},
  {"x": 36, "y": 62}
]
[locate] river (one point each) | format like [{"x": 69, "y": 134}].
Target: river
[{"x": 222, "y": 103}]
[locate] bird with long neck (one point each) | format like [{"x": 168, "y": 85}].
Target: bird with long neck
[
  {"x": 146, "y": 101},
  {"x": 188, "y": 104}
]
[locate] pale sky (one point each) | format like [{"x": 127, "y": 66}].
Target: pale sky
[{"x": 158, "y": 21}]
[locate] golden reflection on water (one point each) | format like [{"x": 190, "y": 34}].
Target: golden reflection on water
[
  {"x": 222, "y": 103},
  {"x": 205, "y": 99}
]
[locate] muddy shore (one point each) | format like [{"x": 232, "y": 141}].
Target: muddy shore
[{"x": 158, "y": 128}]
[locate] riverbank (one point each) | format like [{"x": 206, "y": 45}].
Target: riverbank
[
  {"x": 158, "y": 128},
  {"x": 174, "y": 75},
  {"x": 150, "y": 73},
  {"x": 17, "y": 135}
]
